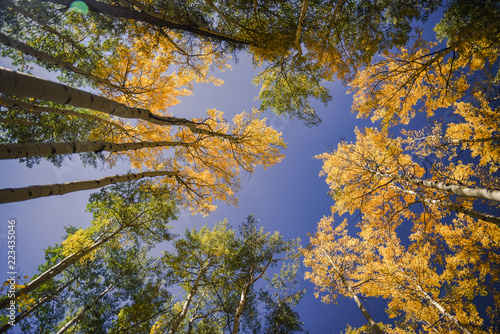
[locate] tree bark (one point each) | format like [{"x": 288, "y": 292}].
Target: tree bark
[
  {"x": 19, "y": 122},
  {"x": 155, "y": 19},
  {"x": 443, "y": 311},
  {"x": 240, "y": 308},
  {"x": 457, "y": 208},
  {"x": 244, "y": 294},
  {"x": 37, "y": 109},
  {"x": 9, "y": 195},
  {"x": 25, "y": 85},
  {"x": 17, "y": 151},
  {"x": 85, "y": 310},
  {"x": 483, "y": 193},
  {"x": 355, "y": 296},
  {"x": 187, "y": 303}
]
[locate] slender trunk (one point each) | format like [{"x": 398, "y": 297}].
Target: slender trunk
[
  {"x": 25, "y": 85},
  {"x": 19, "y": 122},
  {"x": 60, "y": 267},
  {"x": 17, "y": 151},
  {"x": 37, "y": 109},
  {"x": 442, "y": 310},
  {"x": 37, "y": 304},
  {"x": 154, "y": 18},
  {"x": 457, "y": 208},
  {"x": 43, "y": 56},
  {"x": 240, "y": 308},
  {"x": 244, "y": 294},
  {"x": 298, "y": 33},
  {"x": 354, "y": 296},
  {"x": 484, "y": 193},
  {"x": 471, "y": 213},
  {"x": 85, "y": 310},
  {"x": 9, "y": 195},
  {"x": 192, "y": 320},
  {"x": 187, "y": 303},
  {"x": 363, "y": 310}
]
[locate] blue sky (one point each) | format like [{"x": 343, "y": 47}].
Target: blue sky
[{"x": 289, "y": 197}]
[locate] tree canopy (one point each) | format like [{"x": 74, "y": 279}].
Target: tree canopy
[{"x": 417, "y": 192}]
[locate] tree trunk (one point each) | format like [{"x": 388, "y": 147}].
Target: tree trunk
[
  {"x": 9, "y": 195},
  {"x": 471, "y": 213},
  {"x": 244, "y": 294},
  {"x": 240, "y": 308},
  {"x": 483, "y": 193},
  {"x": 19, "y": 122},
  {"x": 156, "y": 19},
  {"x": 59, "y": 268},
  {"x": 187, "y": 303},
  {"x": 36, "y": 305},
  {"x": 355, "y": 296},
  {"x": 85, "y": 310},
  {"x": 457, "y": 208},
  {"x": 25, "y": 85},
  {"x": 37, "y": 109},
  {"x": 17, "y": 151},
  {"x": 443, "y": 311}
]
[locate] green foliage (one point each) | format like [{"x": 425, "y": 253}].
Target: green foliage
[
  {"x": 462, "y": 17},
  {"x": 144, "y": 211},
  {"x": 279, "y": 298},
  {"x": 288, "y": 87},
  {"x": 20, "y": 126}
]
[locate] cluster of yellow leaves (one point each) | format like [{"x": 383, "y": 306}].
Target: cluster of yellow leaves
[
  {"x": 433, "y": 281},
  {"x": 438, "y": 270},
  {"x": 148, "y": 68},
  {"x": 480, "y": 131},
  {"x": 77, "y": 242},
  {"x": 334, "y": 258},
  {"x": 208, "y": 164},
  {"x": 389, "y": 90},
  {"x": 140, "y": 74},
  {"x": 360, "y": 176},
  {"x": 215, "y": 243}
]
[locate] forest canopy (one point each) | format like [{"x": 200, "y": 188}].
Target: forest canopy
[{"x": 415, "y": 219}]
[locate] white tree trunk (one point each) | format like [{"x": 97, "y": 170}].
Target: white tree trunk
[
  {"x": 85, "y": 310},
  {"x": 442, "y": 310},
  {"x": 59, "y": 267},
  {"x": 149, "y": 15},
  {"x": 9, "y": 195},
  {"x": 354, "y": 296},
  {"x": 185, "y": 307},
  {"x": 17, "y": 151},
  {"x": 240, "y": 308},
  {"x": 37, "y": 109},
  {"x": 453, "y": 207},
  {"x": 40, "y": 55},
  {"x": 25, "y": 85},
  {"x": 483, "y": 193}
]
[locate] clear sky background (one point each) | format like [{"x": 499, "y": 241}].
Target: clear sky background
[{"x": 289, "y": 197}]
